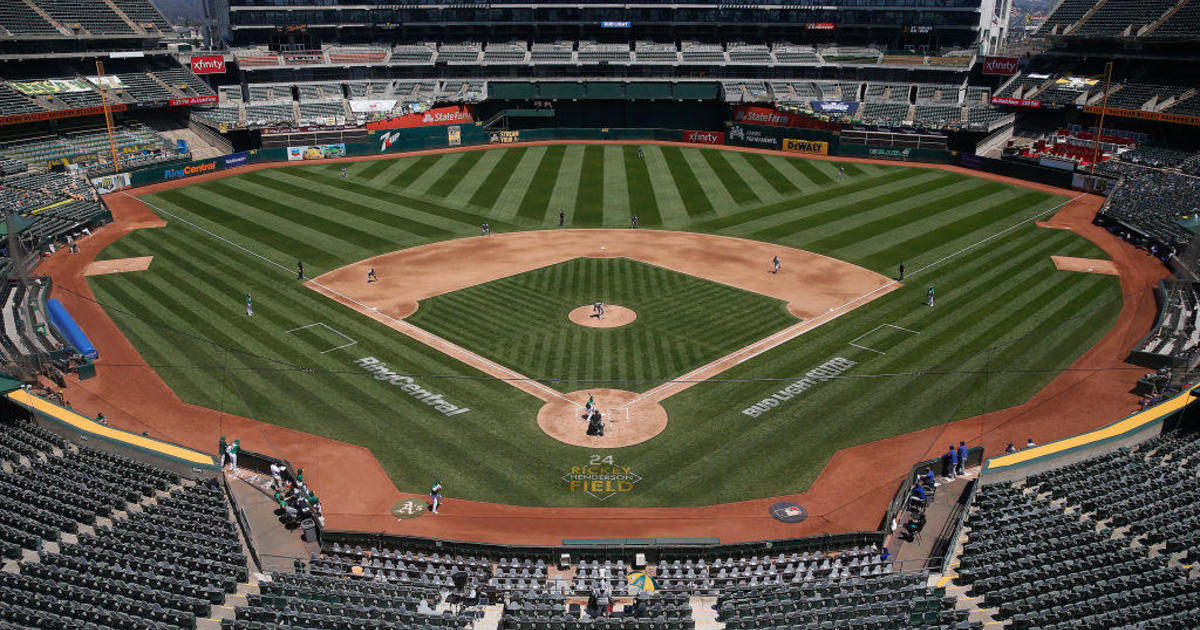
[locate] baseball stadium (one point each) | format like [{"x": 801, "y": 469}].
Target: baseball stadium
[{"x": 550, "y": 316}]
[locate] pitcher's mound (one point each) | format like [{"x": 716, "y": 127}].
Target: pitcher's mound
[
  {"x": 625, "y": 422},
  {"x": 613, "y": 316}
]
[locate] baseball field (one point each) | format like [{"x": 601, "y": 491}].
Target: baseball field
[{"x": 861, "y": 362}]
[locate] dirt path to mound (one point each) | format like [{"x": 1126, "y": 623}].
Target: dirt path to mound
[{"x": 852, "y": 492}]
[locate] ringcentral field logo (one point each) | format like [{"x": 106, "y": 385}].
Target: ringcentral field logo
[
  {"x": 601, "y": 478},
  {"x": 408, "y": 386}
]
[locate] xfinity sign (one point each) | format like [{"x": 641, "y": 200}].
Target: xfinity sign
[
  {"x": 1001, "y": 65},
  {"x": 208, "y": 65}
]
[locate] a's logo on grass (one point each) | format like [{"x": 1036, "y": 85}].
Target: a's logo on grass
[
  {"x": 409, "y": 508},
  {"x": 788, "y": 512},
  {"x": 601, "y": 478}
]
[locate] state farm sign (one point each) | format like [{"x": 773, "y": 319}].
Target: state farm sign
[
  {"x": 704, "y": 137},
  {"x": 1001, "y": 65},
  {"x": 456, "y": 114},
  {"x": 208, "y": 65}
]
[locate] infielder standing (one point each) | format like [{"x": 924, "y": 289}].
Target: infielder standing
[
  {"x": 371, "y": 277},
  {"x": 776, "y": 263}
]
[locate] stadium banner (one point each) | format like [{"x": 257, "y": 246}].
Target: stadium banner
[
  {"x": 367, "y": 106},
  {"x": 453, "y": 136},
  {"x": 316, "y": 152},
  {"x": 50, "y": 86},
  {"x": 110, "y": 183},
  {"x": 848, "y": 108},
  {"x": 820, "y": 26},
  {"x": 504, "y": 137},
  {"x": 214, "y": 64},
  {"x": 890, "y": 153},
  {"x": 1092, "y": 183},
  {"x": 747, "y": 136},
  {"x": 754, "y": 115},
  {"x": 451, "y": 115},
  {"x": 1137, "y": 113},
  {"x": 1001, "y": 65},
  {"x": 1015, "y": 102},
  {"x": 193, "y": 100},
  {"x": 108, "y": 81},
  {"x": 704, "y": 137},
  {"x": 1064, "y": 165},
  {"x": 232, "y": 160},
  {"x": 795, "y": 145},
  {"x": 616, "y": 24},
  {"x": 15, "y": 119}
]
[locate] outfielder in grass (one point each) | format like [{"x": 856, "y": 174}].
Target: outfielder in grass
[{"x": 249, "y": 305}]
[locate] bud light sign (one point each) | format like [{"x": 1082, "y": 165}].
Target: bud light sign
[
  {"x": 704, "y": 137},
  {"x": 847, "y": 108},
  {"x": 208, "y": 65}
]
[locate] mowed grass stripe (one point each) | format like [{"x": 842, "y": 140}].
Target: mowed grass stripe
[
  {"x": 454, "y": 175},
  {"x": 738, "y": 189},
  {"x": 867, "y": 229},
  {"x": 617, "y": 207},
  {"x": 984, "y": 220},
  {"x": 379, "y": 166},
  {"x": 416, "y": 168},
  {"x": 695, "y": 202},
  {"x": 855, "y": 207},
  {"x": 642, "y": 200},
  {"x": 485, "y": 196},
  {"x": 407, "y": 203},
  {"x": 589, "y": 194},
  {"x": 536, "y": 201},
  {"x": 809, "y": 169},
  {"x": 344, "y": 201},
  {"x": 244, "y": 231},
  {"x": 799, "y": 203},
  {"x": 766, "y": 168}
]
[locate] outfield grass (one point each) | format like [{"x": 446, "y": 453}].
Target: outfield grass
[
  {"x": 683, "y": 322},
  {"x": 1005, "y": 323}
]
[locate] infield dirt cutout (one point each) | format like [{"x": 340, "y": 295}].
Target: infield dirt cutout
[
  {"x": 117, "y": 265},
  {"x": 1084, "y": 265},
  {"x": 614, "y": 316},
  {"x": 816, "y": 288}
]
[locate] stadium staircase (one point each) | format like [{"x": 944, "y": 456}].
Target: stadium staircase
[
  {"x": 46, "y": 16},
  {"x": 1149, "y": 28},
  {"x": 1090, "y": 12},
  {"x": 124, "y": 18}
]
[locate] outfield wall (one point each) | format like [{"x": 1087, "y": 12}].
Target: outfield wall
[{"x": 798, "y": 140}]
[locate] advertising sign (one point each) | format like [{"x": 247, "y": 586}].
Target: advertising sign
[
  {"x": 617, "y": 24},
  {"x": 846, "y": 108},
  {"x": 193, "y": 100},
  {"x": 1182, "y": 119},
  {"x": 195, "y": 168},
  {"x": 751, "y": 137},
  {"x": 14, "y": 119},
  {"x": 1015, "y": 102},
  {"x": 451, "y": 115},
  {"x": 820, "y": 26},
  {"x": 50, "y": 86},
  {"x": 770, "y": 116},
  {"x": 795, "y": 145},
  {"x": 110, "y": 183},
  {"x": 316, "y": 152},
  {"x": 208, "y": 65},
  {"x": 889, "y": 154},
  {"x": 453, "y": 136},
  {"x": 704, "y": 137},
  {"x": 505, "y": 137},
  {"x": 372, "y": 105},
  {"x": 236, "y": 159},
  {"x": 109, "y": 81}
]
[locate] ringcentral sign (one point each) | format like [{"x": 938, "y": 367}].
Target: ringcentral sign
[{"x": 381, "y": 372}]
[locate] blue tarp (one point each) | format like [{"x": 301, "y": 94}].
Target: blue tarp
[{"x": 66, "y": 325}]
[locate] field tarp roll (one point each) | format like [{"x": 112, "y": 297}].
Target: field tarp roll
[{"x": 66, "y": 325}]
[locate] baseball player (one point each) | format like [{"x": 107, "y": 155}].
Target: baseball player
[
  {"x": 775, "y": 262},
  {"x": 633, "y": 221},
  {"x": 841, "y": 172},
  {"x": 562, "y": 218},
  {"x": 599, "y": 310},
  {"x": 901, "y": 278},
  {"x": 299, "y": 270},
  {"x": 371, "y": 277},
  {"x": 929, "y": 297},
  {"x": 435, "y": 496},
  {"x": 591, "y": 402},
  {"x": 343, "y": 173},
  {"x": 249, "y": 305}
]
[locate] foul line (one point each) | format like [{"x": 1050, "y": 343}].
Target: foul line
[{"x": 399, "y": 324}]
